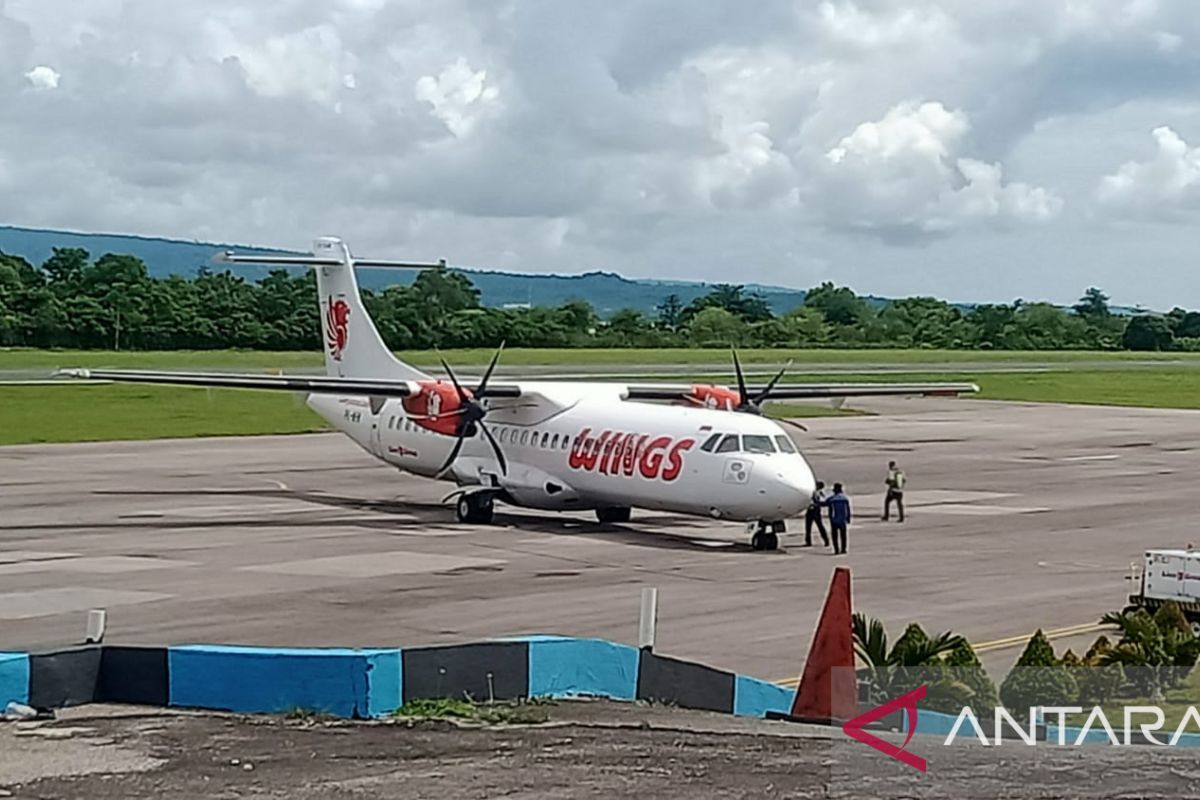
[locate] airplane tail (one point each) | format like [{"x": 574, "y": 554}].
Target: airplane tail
[{"x": 353, "y": 346}]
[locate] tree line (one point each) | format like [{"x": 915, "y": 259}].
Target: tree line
[{"x": 112, "y": 302}]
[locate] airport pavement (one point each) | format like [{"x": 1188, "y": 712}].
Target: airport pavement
[{"x": 1021, "y": 516}]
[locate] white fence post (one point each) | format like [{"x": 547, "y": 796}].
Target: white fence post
[
  {"x": 648, "y": 621},
  {"x": 97, "y": 621}
]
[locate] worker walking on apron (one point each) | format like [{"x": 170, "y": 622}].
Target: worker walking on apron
[
  {"x": 813, "y": 516},
  {"x": 894, "y": 481},
  {"x": 839, "y": 518}
]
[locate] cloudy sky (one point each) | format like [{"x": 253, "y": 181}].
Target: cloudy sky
[{"x": 976, "y": 150}]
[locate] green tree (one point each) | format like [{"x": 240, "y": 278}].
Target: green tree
[
  {"x": 1158, "y": 652},
  {"x": 716, "y": 327},
  {"x": 670, "y": 311},
  {"x": 1147, "y": 333},
  {"x": 839, "y": 305},
  {"x": 1038, "y": 679},
  {"x": 1093, "y": 306},
  {"x": 750, "y": 308}
]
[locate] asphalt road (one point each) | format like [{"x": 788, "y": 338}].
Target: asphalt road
[{"x": 1021, "y": 516}]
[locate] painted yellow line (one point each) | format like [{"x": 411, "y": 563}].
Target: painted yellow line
[{"x": 1007, "y": 642}]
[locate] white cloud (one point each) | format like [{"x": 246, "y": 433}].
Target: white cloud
[
  {"x": 459, "y": 96},
  {"x": 43, "y": 77},
  {"x": 906, "y": 174},
  {"x": 1158, "y": 188},
  {"x": 574, "y": 136}
]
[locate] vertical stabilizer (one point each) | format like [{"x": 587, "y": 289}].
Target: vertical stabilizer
[{"x": 353, "y": 346}]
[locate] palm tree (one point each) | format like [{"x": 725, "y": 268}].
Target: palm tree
[
  {"x": 1161, "y": 649},
  {"x": 913, "y": 660}
]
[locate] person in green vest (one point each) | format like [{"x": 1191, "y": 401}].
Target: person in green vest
[{"x": 894, "y": 481}]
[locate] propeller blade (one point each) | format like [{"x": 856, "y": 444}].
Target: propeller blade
[
  {"x": 488, "y": 375},
  {"x": 741, "y": 379},
  {"x": 453, "y": 455},
  {"x": 767, "y": 391},
  {"x": 792, "y": 423},
  {"x": 496, "y": 447},
  {"x": 462, "y": 396}
]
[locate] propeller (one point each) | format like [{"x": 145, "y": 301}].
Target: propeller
[
  {"x": 471, "y": 413},
  {"x": 753, "y": 405}
]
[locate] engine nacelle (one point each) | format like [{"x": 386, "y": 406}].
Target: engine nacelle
[
  {"x": 435, "y": 407},
  {"x": 710, "y": 396}
]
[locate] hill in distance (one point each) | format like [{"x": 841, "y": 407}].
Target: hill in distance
[{"x": 606, "y": 291}]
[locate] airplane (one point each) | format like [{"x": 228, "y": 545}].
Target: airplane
[{"x": 602, "y": 446}]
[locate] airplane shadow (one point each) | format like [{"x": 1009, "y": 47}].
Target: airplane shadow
[{"x": 425, "y": 515}]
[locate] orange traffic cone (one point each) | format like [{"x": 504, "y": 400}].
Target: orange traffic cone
[{"x": 828, "y": 693}]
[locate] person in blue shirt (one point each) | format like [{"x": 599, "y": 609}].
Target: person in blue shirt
[{"x": 839, "y": 518}]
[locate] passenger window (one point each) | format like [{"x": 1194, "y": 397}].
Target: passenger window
[
  {"x": 710, "y": 443},
  {"x": 565, "y": 441},
  {"x": 554, "y": 442},
  {"x": 757, "y": 444},
  {"x": 785, "y": 443},
  {"x": 729, "y": 444},
  {"x": 500, "y": 435},
  {"x": 545, "y": 440},
  {"x": 524, "y": 437}
]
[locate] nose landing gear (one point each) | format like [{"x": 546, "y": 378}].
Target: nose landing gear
[{"x": 766, "y": 534}]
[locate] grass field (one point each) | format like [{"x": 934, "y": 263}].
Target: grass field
[{"x": 71, "y": 413}]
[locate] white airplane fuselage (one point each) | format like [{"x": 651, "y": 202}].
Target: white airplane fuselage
[{"x": 583, "y": 447}]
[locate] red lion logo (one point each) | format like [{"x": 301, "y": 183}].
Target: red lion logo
[{"x": 337, "y": 323}]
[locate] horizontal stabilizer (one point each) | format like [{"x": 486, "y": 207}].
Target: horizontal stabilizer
[{"x": 230, "y": 257}]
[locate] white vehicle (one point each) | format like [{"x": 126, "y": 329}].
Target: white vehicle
[
  {"x": 559, "y": 445},
  {"x": 1169, "y": 575}
]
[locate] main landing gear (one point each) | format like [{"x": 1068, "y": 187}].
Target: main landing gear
[
  {"x": 766, "y": 534},
  {"x": 613, "y": 514},
  {"x": 475, "y": 508}
]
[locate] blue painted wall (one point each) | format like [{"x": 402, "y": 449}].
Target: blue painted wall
[
  {"x": 14, "y": 678},
  {"x": 272, "y": 680},
  {"x": 564, "y": 667},
  {"x": 754, "y": 698}
]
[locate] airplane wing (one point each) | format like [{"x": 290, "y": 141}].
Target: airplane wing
[
  {"x": 807, "y": 391},
  {"x": 312, "y": 384}
]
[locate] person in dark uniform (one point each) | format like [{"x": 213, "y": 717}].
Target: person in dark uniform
[
  {"x": 839, "y": 518},
  {"x": 813, "y": 517}
]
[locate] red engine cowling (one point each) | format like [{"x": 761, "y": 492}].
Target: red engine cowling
[
  {"x": 435, "y": 407},
  {"x": 711, "y": 396}
]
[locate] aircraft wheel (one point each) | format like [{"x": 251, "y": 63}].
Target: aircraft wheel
[
  {"x": 613, "y": 514},
  {"x": 764, "y": 539},
  {"x": 1195, "y": 623},
  {"x": 475, "y": 509}
]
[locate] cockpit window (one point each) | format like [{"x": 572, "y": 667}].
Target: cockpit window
[
  {"x": 757, "y": 444},
  {"x": 785, "y": 443},
  {"x": 729, "y": 444},
  {"x": 711, "y": 443}
]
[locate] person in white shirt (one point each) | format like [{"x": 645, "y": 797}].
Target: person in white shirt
[{"x": 894, "y": 481}]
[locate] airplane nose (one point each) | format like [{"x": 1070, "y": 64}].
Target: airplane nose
[{"x": 795, "y": 488}]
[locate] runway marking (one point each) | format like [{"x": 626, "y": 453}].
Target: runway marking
[
  {"x": 968, "y": 510},
  {"x": 1008, "y": 642},
  {"x": 374, "y": 565},
  {"x": 1105, "y": 457},
  {"x": 102, "y": 565},
  {"x": 49, "y": 602}
]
